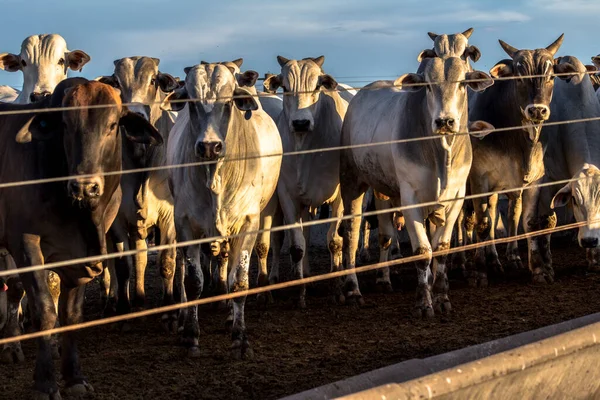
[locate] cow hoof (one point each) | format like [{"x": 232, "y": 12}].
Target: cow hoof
[
  {"x": 78, "y": 390},
  {"x": 496, "y": 267},
  {"x": 472, "y": 281},
  {"x": 300, "y": 302},
  {"x": 169, "y": 323},
  {"x": 384, "y": 287},
  {"x": 593, "y": 267},
  {"x": 240, "y": 350},
  {"x": 126, "y": 327},
  {"x": 423, "y": 312},
  {"x": 264, "y": 299},
  {"x": 337, "y": 299},
  {"x": 442, "y": 305},
  {"x": 355, "y": 296},
  {"x": 12, "y": 355},
  {"x": 45, "y": 396},
  {"x": 193, "y": 352}
]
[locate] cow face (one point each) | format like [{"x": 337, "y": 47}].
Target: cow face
[
  {"x": 584, "y": 195},
  {"x": 302, "y": 82},
  {"x": 215, "y": 97},
  {"x": 140, "y": 82},
  {"x": 90, "y": 134},
  {"x": 533, "y": 94},
  {"x": 445, "y": 81},
  {"x": 44, "y": 61},
  {"x": 455, "y": 45}
]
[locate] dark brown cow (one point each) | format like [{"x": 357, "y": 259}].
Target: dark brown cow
[{"x": 59, "y": 221}]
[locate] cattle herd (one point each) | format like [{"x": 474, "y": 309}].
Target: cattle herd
[{"x": 207, "y": 151}]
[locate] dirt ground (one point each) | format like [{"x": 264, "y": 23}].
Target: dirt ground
[{"x": 299, "y": 349}]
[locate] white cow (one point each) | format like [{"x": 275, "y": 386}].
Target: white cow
[
  {"x": 44, "y": 61},
  {"x": 311, "y": 119},
  {"x": 225, "y": 127},
  {"x": 416, "y": 171}
]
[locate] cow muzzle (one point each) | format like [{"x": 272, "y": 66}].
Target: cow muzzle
[
  {"x": 445, "y": 125},
  {"x": 588, "y": 242},
  {"x": 301, "y": 125},
  {"x": 37, "y": 96},
  {"x": 210, "y": 150},
  {"x": 85, "y": 189},
  {"x": 537, "y": 112}
]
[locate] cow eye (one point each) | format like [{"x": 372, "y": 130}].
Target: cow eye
[
  {"x": 23, "y": 63},
  {"x": 113, "y": 126},
  {"x": 61, "y": 61},
  {"x": 153, "y": 81}
]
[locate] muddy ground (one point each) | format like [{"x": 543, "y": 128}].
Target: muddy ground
[{"x": 300, "y": 349}]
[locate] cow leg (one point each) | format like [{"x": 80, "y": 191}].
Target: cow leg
[
  {"x": 140, "y": 261},
  {"x": 441, "y": 241},
  {"x": 54, "y": 285},
  {"x": 515, "y": 208},
  {"x": 71, "y": 312},
  {"x": 167, "y": 260},
  {"x": 239, "y": 281},
  {"x": 365, "y": 229},
  {"x": 10, "y": 302},
  {"x": 43, "y": 317},
  {"x": 386, "y": 234},
  {"x": 306, "y": 232},
  {"x": 477, "y": 270},
  {"x": 352, "y": 206},
  {"x": 491, "y": 254},
  {"x": 459, "y": 258},
  {"x": 420, "y": 244},
  {"x": 263, "y": 242},
  {"x": 277, "y": 238},
  {"x": 540, "y": 258}
]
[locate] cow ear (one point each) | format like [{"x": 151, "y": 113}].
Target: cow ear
[
  {"x": 410, "y": 82},
  {"x": 40, "y": 127},
  {"x": 166, "y": 82},
  {"x": 596, "y": 61},
  {"x": 244, "y": 100},
  {"x": 473, "y": 53},
  {"x": 591, "y": 68},
  {"x": 186, "y": 70},
  {"x": 566, "y": 71},
  {"x": 76, "y": 59},
  {"x": 562, "y": 197},
  {"x": 138, "y": 129},
  {"x": 502, "y": 70},
  {"x": 479, "y": 80},
  {"x": 108, "y": 80},
  {"x": 175, "y": 100},
  {"x": 327, "y": 82},
  {"x": 247, "y": 78},
  {"x": 272, "y": 83},
  {"x": 427, "y": 53},
  {"x": 10, "y": 62},
  {"x": 238, "y": 62},
  {"x": 480, "y": 129}
]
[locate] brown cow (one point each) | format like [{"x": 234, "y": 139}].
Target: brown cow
[{"x": 59, "y": 221}]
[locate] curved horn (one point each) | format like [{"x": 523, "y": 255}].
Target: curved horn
[
  {"x": 511, "y": 51},
  {"x": 282, "y": 60},
  {"x": 468, "y": 33},
  {"x": 553, "y": 48},
  {"x": 432, "y": 35},
  {"x": 238, "y": 62}
]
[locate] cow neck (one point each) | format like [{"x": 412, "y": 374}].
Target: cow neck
[{"x": 230, "y": 179}]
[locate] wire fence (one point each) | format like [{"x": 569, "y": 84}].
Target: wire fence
[{"x": 95, "y": 259}]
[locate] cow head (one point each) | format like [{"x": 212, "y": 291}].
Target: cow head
[
  {"x": 584, "y": 195},
  {"x": 44, "y": 61},
  {"x": 302, "y": 82},
  {"x": 216, "y": 96},
  {"x": 140, "y": 82},
  {"x": 455, "y": 45},
  {"x": 90, "y": 136},
  {"x": 445, "y": 81},
  {"x": 533, "y": 95},
  {"x": 245, "y": 79}
]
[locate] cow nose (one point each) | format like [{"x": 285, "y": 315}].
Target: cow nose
[
  {"x": 445, "y": 123},
  {"x": 37, "y": 96},
  {"x": 301, "y": 125},
  {"x": 209, "y": 150},
  {"x": 537, "y": 112},
  {"x": 589, "y": 243},
  {"x": 84, "y": 188}
]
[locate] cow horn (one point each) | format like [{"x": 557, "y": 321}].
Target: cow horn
[
  {"x": 202, "y": 62},
  {"x": 319, "y": 60},
  {"x": 282, "y": 60},
  {"x": 511, "y": 51},
  {"x": 432, "y": 35},
  {"x": 553, "y": 48},
  {"x": 468, "y": 33},
  {"x": 156, "y": 60},
  {"x": 238, "y": 62}
]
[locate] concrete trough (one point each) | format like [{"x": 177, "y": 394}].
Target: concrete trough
[{"x": 558, "y": 361}]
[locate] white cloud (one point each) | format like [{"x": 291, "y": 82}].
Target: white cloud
[{"x": 581, "y": 7}]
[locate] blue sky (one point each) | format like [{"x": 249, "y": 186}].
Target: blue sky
[{"x": 362, "y": 40}]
